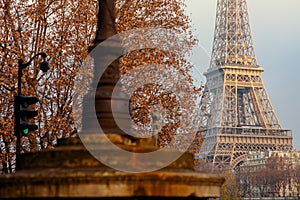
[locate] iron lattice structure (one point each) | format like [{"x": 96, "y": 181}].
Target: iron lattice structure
[{"x": 236, "y": 113}]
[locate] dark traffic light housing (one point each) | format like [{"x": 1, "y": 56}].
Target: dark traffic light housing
[{"x": 24, "y": 115}]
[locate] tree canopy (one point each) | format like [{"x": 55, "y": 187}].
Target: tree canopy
[{"x": 63, "y": 30}]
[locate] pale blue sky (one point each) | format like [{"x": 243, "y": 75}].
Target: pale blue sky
[{"x": 275, "y": 26}]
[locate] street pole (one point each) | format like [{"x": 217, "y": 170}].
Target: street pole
[{"x": 44, "y": 66}]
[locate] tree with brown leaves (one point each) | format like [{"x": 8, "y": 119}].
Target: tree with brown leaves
[
  {"x": 63, "y": 30},
  {"x": 170, "y": 93}
]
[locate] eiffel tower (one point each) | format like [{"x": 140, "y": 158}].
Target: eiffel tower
[{"x": 237, "y": 116}]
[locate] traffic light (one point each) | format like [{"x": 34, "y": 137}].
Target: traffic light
[{"x": 24, "y": 115}]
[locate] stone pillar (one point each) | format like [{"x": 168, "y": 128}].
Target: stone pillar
[
  {"x": 107, "y": 83},
  {"x": 106, "y": 20}
]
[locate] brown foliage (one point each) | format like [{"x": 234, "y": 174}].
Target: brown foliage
[
  {"x": 165, "y": 63},
  {"x": 278, "y": 177},
  {"x": 230, "y": 189},
  {"x": 63, "y": 30}
]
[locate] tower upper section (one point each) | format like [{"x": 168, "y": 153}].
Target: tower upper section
[{"x": 233, "y": 39}]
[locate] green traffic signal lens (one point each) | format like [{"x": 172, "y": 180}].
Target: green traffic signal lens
[{"x": 25, "y": 131}]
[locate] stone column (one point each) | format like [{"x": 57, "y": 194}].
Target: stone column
[{"x": 107, "y": 83}]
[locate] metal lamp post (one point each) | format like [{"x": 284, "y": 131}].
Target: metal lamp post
[
  {"x": 21, "y": 100},
  {"x": 44, "y": 66}
]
